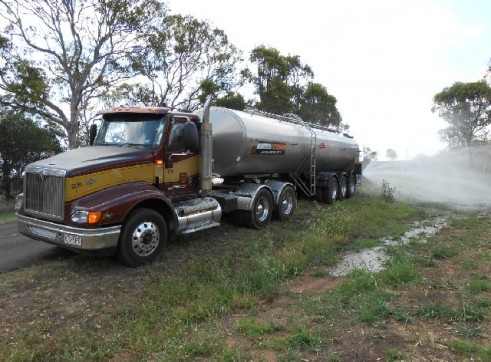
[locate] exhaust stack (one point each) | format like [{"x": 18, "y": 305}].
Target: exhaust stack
[{"x": 206, "y": 150}]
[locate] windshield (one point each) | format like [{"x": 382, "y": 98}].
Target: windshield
[{"x": 131, "y": 130}]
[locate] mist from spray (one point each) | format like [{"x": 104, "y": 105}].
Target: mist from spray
[{"x": 461, "y": 178}]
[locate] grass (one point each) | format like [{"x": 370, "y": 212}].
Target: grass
[
  {"x": 6, "y": 211},
  {"x": 225, "y": 294}
]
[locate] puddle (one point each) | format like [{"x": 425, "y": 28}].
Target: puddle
[
  {"x": 420, "y": 231},
  {"x": 373, "y": 259},
  {"x": 369, "y": 259}
]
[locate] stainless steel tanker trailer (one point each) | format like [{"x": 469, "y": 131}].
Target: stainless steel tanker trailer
[
  {"x": 253, "y": 150},
  {"x": 154, "y": 173}
]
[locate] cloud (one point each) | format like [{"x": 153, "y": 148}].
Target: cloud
[{"x": 383, "y": 60}]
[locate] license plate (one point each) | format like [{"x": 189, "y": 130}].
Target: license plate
[{"x": 74, "y": 240}]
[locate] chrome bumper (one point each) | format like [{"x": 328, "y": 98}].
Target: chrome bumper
[{"x": 69, "y": 236}]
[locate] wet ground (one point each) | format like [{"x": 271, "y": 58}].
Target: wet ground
[{"x": 373, "y": 259}]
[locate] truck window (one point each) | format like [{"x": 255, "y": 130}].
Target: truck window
[
  {"x": 131, "y": 130},
  {"x": 176, "y": 138}
]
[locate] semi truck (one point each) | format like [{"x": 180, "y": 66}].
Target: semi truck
[{"x": 153, "y": 173}]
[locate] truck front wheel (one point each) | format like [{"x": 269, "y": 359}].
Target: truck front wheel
[{"x": 143, "y": 237}]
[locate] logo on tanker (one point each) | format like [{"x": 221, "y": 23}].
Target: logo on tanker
[{"x": 268, "y": 148}]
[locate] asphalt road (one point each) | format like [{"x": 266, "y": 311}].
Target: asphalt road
[{"x": 18, "y": 251}]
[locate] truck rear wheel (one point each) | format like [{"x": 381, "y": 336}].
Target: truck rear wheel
[
  {"x": 343, "y": 187},
  {"x": 332, "y": 191},
  {"x": 261, "y": 211},
  {"x": 352, "y": 184},
  {"x": 286, "y": 204},
  {"x": 143, "y": 237}
]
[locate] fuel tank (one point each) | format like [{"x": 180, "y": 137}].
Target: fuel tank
[{"x": 249, "y": 143}]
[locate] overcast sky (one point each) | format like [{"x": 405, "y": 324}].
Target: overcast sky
[{"x": 383, "y": 60}]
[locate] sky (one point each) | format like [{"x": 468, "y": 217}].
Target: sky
[{"x": 383, "y": 60}]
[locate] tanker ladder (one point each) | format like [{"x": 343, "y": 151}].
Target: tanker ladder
[{"x": 309, "y": 190}]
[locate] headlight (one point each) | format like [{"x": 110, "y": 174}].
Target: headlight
[
  {"x": 86, "y": 217},
  {"x": 19, "y": 202}
]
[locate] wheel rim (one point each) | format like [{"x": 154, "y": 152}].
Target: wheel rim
[
  {"x": 145, "y": 238},
  {"x": 262, "y": 209},
  {"x": 287, "y": 204},
  {"x": 334, "y": 193}
]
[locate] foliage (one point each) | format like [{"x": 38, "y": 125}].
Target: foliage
[
  {"x": 231, "y": 100},
  {"x": 319, "y": 107},
  {"x": 387, "y": 192},
  {"x": 466, "y": 107},
  {"x": 391, "y": 154},
  {"x": 368, "y": 154},
  {"x": 184, "y": 60},
  {"x": 285, "y": 85},
  {"x": 22, "y": 141},
  {"x": 68, "y": 54}
]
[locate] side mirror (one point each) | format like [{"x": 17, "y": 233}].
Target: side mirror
[
  {"x": 92, "y": 134},
  {"x": 191, "y": 137}
]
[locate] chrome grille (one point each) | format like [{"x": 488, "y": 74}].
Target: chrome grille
[{"x": 44, "y": 194}]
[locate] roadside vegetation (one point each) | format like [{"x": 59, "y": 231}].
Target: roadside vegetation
[
  {"x": 235, "y": 294},
  {"x": 6, "y": 212}
]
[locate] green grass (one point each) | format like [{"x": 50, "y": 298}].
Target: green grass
[
  {"x": 86, "y": 308},
  {"x": 470, "y": 349},
  {"x": 7, "y": 213},
  {"x": 254, "y": 329},
  {"x": 6, "y": 216}
]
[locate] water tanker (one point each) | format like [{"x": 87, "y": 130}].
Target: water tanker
[
  {"x": 154, "y": 173},
  {"x": 256, "y": 143}
]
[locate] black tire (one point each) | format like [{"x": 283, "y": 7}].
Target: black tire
[
  {"x": 261, "y": 212},
  {"x": 287, "y": 204},
  {"x": 143, "y": 237},
  {"x": 332, "y": 191},
  {"x": 351, "y": 185},
  {"x": 319, "y": 194},
  {"x": 343, "y": 188}
]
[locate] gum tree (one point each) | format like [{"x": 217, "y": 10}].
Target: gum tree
[
  {"x": 283, "y": 84},
  {"x": 183, "y": 62},
  {"x": 466, "y": 107},
  {"x": 60, "y": 56}
]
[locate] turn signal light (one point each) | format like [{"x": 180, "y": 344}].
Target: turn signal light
[{"x": 94, "y": 217}]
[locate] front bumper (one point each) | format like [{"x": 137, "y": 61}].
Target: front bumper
[{"x": 68, "y": 236}]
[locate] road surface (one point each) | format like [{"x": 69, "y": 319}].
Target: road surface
[{"x": 18, "y": 251}]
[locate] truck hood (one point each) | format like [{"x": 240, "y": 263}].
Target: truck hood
[{"x": 80, "y": 160}]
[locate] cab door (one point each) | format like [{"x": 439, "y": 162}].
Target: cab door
[{"x": 181, "y": 165}]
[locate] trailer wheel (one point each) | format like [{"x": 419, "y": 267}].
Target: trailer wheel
[
  {"x": 286, "y": 204},
  {"x": 332, "y": 191},
  {"x": 143, "y": 237},
  {"x": 351, "y": 185},
  {"x": 343, "y": 188}
]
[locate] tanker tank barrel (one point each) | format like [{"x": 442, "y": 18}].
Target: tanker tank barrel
[{"x": 252, "y": 142}]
